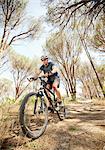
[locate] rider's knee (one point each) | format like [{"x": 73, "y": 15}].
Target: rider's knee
[
  {"x": 54, "y": 88},
  {"x": 48, "y": 86}
]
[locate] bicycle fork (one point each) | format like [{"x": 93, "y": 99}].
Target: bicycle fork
[{"x": 41, "y": 109}]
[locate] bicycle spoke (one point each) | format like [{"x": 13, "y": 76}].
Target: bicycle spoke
[{"x": 34, "y": 118}]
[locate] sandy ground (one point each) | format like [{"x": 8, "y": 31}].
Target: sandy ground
[{"x": 83, "y": 129}]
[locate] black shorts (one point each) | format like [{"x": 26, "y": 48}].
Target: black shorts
[{"x": 52, "y": 80}]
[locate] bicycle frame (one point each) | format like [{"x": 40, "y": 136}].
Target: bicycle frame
[
  {"x": 41, "y": 93},
  {"x": 34, "y": 125},
  {"x": 45, "y": 88}
]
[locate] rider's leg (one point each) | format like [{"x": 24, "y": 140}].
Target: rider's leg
[
  {"x": 50, "y": 109},
  {"x": 55, "y": 87},
  {"x": 48, "y": 94}
]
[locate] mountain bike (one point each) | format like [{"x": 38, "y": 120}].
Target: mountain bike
[{"x": 33, "y": 114}]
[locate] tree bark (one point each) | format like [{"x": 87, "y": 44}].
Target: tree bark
[{"x": 90, "y": 59}]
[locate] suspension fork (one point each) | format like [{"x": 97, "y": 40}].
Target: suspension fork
[
  {"x": 41, "y": 104},
  {"x": 35, "y": 104}
]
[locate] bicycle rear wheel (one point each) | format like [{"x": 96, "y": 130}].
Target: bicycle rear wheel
[
  {"x": 33, "y": 116},
  {"x": 62, "y": 113}
]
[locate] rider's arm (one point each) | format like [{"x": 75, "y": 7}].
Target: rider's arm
[
  {"x": 38, "y": 74},
  {"x": 54, "y": 69},
  {"x": 41, "y": 74}
]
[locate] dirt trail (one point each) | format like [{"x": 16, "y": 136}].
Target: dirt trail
[{"x": 84, "y": 129}]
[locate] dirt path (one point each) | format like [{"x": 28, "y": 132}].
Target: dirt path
[{"x": 84, "y": 129}]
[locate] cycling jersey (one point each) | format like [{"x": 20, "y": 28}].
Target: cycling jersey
[{"x": 47, "y": 69}]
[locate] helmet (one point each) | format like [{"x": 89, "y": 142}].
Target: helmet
[{"x": 44, "y": 57}]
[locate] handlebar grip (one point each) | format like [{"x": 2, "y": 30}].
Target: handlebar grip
[{"x": 32, "y": 78}]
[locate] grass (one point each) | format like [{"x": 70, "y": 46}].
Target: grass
[
  {"x": 73, "y": 129},
  {"x": 33, "y": 145},
  {"x": 9, "y": 126},
  {"x": 9, "y": 122},
  {"x": 8, "y": 111},
  {"x": 100, "y": 102},
  {"x": 68, "y": 100}
]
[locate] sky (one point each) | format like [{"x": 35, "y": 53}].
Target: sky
[
  {"x": 31, "y": 48},
  {"x": 34, "y": 47}
]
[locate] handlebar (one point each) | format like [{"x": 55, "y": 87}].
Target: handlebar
[
  {"x": 34, "y": 79},
  {"x": 31, "y": 79}
]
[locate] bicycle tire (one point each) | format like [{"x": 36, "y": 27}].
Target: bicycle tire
[
  {"x": 23, "y": 120},
  {"x": 62, "y": 113}
]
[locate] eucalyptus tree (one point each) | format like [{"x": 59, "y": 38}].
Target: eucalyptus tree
[
  {"x": 5, "y": 88},
  {"x": 66, "y": 54},
  {"x": 61, "y": 12},
  {"x": 14, "y": 24},
  {"x": 21, "y": 67}
]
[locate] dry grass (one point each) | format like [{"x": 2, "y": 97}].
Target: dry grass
[
  {"x": 100, "y": 102},
  {"x": 59, "y": 135},
  {"x": 8, "y": 116},
  {"x": 4, "y": 122}
]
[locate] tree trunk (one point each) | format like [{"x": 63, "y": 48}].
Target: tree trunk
[
  {"x": 95, "y": 87},
  {"x": 73, "y": 96},
  {"x": 17, "y": 89},
  {"x": 86, "y": 92},
  {"x": 67, "y": 92},
  {"x": 90, "y": 59}
]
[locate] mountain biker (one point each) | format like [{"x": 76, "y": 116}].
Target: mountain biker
[{"x": 50, "y": 71}]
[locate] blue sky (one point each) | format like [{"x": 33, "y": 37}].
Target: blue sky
[
  {"x": 34, "y": 47},
  {"x": 31, "y": 48}
]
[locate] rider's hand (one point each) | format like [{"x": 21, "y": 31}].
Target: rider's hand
[
  {"x": 50, "y": 73},
  {"x": 46, "y": 75},
  {"x": 32, "y": 78}
]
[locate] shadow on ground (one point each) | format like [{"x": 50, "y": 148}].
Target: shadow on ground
[{"x": 83, "y": 130}]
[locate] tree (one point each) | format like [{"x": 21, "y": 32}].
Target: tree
[
  {"x": 3, "y": 62},
  {"x": 90, "y": 87},
  {"x": 61, "y": 12},
  {"x": 21, "y": 67},
  {"x": 101, "y": 72},
  {"x": 13, "y": 23},
  {"x": 83, "y": 41},
  {"x": 66, "y": 55},
  {"x": 5, "y": 88},
  {"x": 97, "y": 41}
]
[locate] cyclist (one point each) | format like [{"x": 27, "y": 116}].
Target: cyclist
[{"x": 50, "y": 71}]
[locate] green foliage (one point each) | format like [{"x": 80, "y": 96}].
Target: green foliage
[
  {"x": 98, "y": 38},
  {"x": 73, "y": 129},
  {"x": 65, "y": 50},
  {"x": 17, "y": 7},
  {"x": 5, "y": 87},
  {"x": 21, "y": 63},
  {"x": 101, "y": 71},
  {"x": 21, "y": 68},
  {"x": 33, "y": 145}
]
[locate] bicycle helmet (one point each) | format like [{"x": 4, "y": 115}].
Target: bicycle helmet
[{"x": 44, "y": 57}]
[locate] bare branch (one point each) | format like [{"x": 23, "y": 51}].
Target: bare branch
[{"x": 62, "y": 13}]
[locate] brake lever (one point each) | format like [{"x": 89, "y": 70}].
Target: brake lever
[{"x": 32, "y": 79}]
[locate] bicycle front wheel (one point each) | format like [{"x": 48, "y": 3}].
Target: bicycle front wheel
[{"x": 33, "y": 116}]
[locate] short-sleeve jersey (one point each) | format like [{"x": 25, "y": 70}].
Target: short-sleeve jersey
[{"x": 47, "y": 69}]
